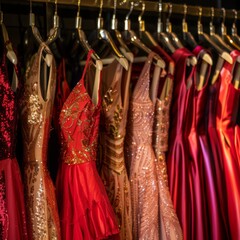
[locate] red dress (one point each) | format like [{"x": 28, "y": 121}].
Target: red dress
[
  {"x": 177, "y": 157},
  {"x": 227, "y": 109},
  {"x": 12, "y": 208},
  {"x": 84, "y": 208}
]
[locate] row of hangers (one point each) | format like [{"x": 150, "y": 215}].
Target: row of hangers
[{"x": 116, "y": 44}]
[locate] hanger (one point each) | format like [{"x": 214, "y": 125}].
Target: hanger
[
  {"x": 117, "y": 36},
  {"x": 83, "y": 40},
  {"x": 174, "y": 39},
  {"x": 160, "y": 35},
  {"x": 102, "y": 38},
  {"x": 224, "y": 34},
  {"x": 234, "y": 33},
  {"x": 189, "y": 39},
  {"x": 216, "y": 38},
  {"x": 205, "y": 38},
  {"x": 131, "y": 37},
  {"x": 10, "y": 53}
]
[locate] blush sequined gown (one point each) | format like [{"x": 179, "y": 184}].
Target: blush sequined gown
[
  {"x": 36, "y": 112},
  {"x": 115, "y": 94},
  {"x": 141, "y": 159}
]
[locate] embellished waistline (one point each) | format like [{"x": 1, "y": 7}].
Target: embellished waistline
[{"x": 76, "y": 160}]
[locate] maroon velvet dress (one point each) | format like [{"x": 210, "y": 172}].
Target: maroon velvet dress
[
  {"x": 178, "y": 156},
  {"x": 12, "y": 208},
  {"x": 226, "y": 117}
]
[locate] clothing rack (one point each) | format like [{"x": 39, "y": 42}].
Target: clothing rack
[{"x": 150, "y": 6}]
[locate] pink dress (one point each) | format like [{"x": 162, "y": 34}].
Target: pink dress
[
  {"x": 141, "y": 159},
  {"x": 84, "y": 208},
  {"x": 13, "y": 224},
  {"x": 115, "y": 86}
]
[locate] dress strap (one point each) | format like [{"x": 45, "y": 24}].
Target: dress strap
[{"x": 87, "y": 62}]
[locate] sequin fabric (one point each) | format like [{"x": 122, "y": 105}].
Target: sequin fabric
[
  {"x": 4, "y": 219},
  {"x": 141, "y": 159},
  {"x": 169, "y": 224},
  {"x": 43, "y": 220},
  {"x": 84, "y": 207},
  {"x": 112, "y": 133}
]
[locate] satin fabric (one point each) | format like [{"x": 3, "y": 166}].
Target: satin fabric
[
  {"x": 227, "y": 108},
  {"x": 178, "y": 156},
  {"x": 207, "y": 222},
  {"x": 84, "y": 208},
  {"x": 13, "y": 225}
]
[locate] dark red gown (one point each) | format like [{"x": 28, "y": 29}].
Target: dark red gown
[
  {"x": 177, "y": 157},
  {"x": 226, "y": 117}
]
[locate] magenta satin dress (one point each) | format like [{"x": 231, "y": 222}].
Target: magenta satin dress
[
  {"x": 227, "y": 109},
  {"x": 206, "y": 216},
  {"x": 178, "y": 156}
]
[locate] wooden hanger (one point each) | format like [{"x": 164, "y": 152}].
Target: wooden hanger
[{"x": 131, "y": 37}]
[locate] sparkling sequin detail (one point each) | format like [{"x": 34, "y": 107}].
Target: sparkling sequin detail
[
  {"x": 112, "y": 133},
  {"x": 141, "y": 159},
  {"x": 4, "y": 221},
  {"x": 41, "y": 204},
  {"x": 170, "y": 227}
]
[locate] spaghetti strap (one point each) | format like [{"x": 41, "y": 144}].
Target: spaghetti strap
[{"x": 87, "y": 62}]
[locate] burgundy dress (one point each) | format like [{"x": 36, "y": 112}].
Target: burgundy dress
[
  {"x": 84, "y": 208},
  {"x": 12, "y": 208},
  {"x": 177, "y": 158},
  {"x": 227, "y": 109}
]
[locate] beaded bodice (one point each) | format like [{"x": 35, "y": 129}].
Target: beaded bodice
[
  {"x": 142, "y": 110},
  {"x": 79, "y": 121},
  {"x": 35, "y": 110}
]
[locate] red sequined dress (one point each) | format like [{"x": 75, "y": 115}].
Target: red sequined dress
[
  {"x": 12, "y": 208},
  {"x": 84, "y": 208}
]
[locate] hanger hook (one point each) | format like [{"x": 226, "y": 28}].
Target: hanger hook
[
  {"x": 235, "y": 16},
  {"x": 55, "y": 7},
  {"x": 212, "y": 13},
  {"x": 79, "y": 4},
  {"x": 199, "y": 14},
  {"x": 143, "y": 10},
  {"x": 100, "y": 9},
  {"x": 184, "y": 12},
  {"x": 30, "y": 5},
  {"x": 169, "y": 11},
  {"x": 130, "y": 11},
  {"x": 223, "y": 15},
  {"x": 114, "y": 9}
]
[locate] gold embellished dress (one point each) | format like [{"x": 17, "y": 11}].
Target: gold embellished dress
[
  {"x": 170, "y": 228},
  {"x": 115, "y": 94},
  {"x": 36, "y": 107},
  {"x": 141, "y": 158}
]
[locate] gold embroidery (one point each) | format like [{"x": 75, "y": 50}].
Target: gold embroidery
[{"x": 35, "y": 108}]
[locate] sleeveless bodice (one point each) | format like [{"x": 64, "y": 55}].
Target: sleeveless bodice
[
  {"x": 8, "y": 117},
  {"x": 36, "y": 111},
  {"x": 79, "y": 120}
]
